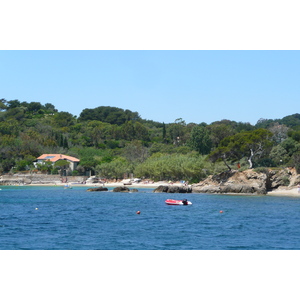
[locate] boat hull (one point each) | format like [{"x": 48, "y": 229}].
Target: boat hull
[{"x": 176, "y": 202}]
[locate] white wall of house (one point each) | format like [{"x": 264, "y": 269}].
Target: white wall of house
[{"x": 72, "y": 165}]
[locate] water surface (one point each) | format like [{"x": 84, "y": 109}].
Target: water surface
[{"x": 54, "y": 218}]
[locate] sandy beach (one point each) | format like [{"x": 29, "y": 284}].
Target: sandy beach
[
  {"x": 291, "y": 192},
  {"x": 142, "y": 185}
]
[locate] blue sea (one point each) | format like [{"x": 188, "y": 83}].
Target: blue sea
[{"x": 54, "y": 218}]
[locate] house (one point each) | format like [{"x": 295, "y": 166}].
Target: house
[{"x": 56, "y": 157}]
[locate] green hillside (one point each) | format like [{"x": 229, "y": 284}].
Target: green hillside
[{"x": 111, "y": 142}]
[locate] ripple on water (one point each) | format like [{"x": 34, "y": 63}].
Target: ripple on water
[{"x": 76, "y": 219}]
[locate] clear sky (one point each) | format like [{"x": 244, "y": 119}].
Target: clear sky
[{"x": 197, "y": 86}]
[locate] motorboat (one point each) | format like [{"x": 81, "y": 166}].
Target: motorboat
[{"x": 178, "y": 202}]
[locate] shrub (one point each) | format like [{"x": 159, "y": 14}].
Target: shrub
[
  {"x": 54, "y": 171},
  {"x": 285, "y": 180},
  {"x": 261, "y": 170}
]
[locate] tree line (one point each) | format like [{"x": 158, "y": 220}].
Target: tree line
[{"x": 111, "y": 142}]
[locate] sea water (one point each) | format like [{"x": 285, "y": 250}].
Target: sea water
[{"x": 52, "y": 218}]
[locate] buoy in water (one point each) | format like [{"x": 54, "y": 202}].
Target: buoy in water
[
  {"x": 36, "y": 208},
  {"x": 138, "y": 212},
  {"x": 221, "y": 211}
]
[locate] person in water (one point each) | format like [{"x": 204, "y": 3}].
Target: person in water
[{"x": 185, "y": 202}]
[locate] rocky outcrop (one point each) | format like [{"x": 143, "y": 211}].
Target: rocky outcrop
[
  {"x": 98, "y": 189},
  {"x": 247, "y": 182},
  {"x": 286, "y": 177},
  {"x": 124, "y": 189},
  {"x": 172, "y": 189}
]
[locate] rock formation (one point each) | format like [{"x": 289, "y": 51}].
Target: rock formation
[
  {"x": 98, "y": 189},
  {"x": 124, "y": 189},
  {"x": 172, "y": 189},
  {"x": 248, "y": 182}
]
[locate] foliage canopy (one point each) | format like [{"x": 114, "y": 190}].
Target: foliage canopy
[{"x": 113, "y": 142}]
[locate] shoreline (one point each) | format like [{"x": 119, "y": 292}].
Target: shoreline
[
  {"x": 281, "y": 191},
  {"x": 107, "y": 185},
  {"x": 290, "y": 192}
]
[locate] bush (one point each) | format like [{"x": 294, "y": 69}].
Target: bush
[
  {"x": 174, "y": 167},
  {"x": 261, "y": 170},
  {"x": 265, "y": 162},
  {"x": 296, "y": 162},
  {"x": 54, "y": 171},
  {"x": 285, "y": 181},
  {"x": 75, "y": 173}
]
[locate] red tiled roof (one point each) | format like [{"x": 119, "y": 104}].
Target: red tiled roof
[{"x": 56, "y": 157}]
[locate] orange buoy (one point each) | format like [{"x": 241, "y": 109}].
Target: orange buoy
[
  {"x": 221, "y": 211},
  {"x": 138, "y": 212}
]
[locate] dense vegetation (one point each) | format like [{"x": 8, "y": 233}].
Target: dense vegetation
[{"x": 111, "y": 142}]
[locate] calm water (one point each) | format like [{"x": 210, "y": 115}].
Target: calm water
[{"x": 76, "y": 219}]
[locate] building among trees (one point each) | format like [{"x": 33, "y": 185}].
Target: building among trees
[{"x": 67, "y": 163}]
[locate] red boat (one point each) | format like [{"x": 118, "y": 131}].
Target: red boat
[{"x": 178, "y": 202}]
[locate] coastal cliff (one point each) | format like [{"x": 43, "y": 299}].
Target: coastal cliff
[{"x": 248, "y": 181}]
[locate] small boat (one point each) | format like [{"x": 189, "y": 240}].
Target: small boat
[{"x": 178, "y": 202}]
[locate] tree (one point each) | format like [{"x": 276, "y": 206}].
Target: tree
[
  {"x": 50, "y": 108},
  {"x": 245, "y": 144},
  {"x": 173, "y": 167},
  {"x": 291, "y": 120},
  {"x": 279, "y": 155},
  {"x": 141, "y": 132},
  {"x": 87, "y": 164},
  {"x": 114, "y": 169},
  {"x": 3, "y": 104},
  {"x": 13, "y": 104},
  {"x": 295, "y": 135},
  {"x": 280, "y": 132},
  {"x": 107, "y": 114},
  {"x": 63, "y": 119},
  {"x": 291, "y": 146},
  {"x": 219, "y": 131},
  {"x": 164, "y": 132},
  {"x": 135, "y": 152},
  {"x": 224, "y": 154},
  {"x": 63, "y": 165},
  {"x": 128, "y": 131},
  {"x": 176, "y": 132},
  {"x": 34, "y": 107},
  {"x": 46, "y": 166},
  {"x": 296, "y": 161},
  {"x": 200, "y": 140},
  {"x": 16, "y": 113}
]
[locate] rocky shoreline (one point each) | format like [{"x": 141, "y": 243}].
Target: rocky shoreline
[
  {"x": 249, "y": 182},
  {"x": 262, "y": 182},
  {"x": 234, "y": 182}
]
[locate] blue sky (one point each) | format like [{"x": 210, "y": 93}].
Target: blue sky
[{"x": 197, "y": 86}]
